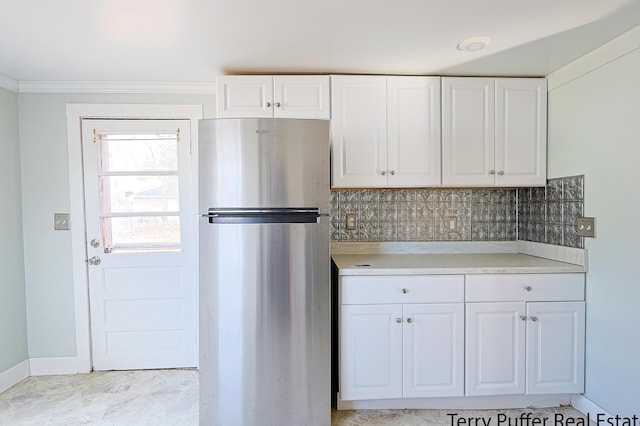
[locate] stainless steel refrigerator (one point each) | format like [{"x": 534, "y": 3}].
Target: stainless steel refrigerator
[{"x": 264, "y": 272}]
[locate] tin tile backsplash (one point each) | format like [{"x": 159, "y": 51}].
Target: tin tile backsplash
[{"x": 434, "y": 214}]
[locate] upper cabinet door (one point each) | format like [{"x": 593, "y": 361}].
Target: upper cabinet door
[
  {"x": 468, "y": 136},
  {"x": 358, "y": 131},
  {"x": 413, "y": 131},
  {"x": 301, "y": 96},
  {"x": 521, "y": 131},
  {"x": 240, "y": 96}
]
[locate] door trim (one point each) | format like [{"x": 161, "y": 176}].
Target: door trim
[{"x": 75, "y": 114}]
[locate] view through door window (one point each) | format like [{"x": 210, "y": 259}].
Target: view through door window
[{"x": 139, "y": 199}]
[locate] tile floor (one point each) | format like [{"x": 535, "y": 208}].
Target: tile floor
[{"x": 170, "y": 397}]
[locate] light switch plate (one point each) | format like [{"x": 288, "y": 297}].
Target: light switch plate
[
  {"x": 586, "y": 227},
  {"x": 61, "y": 221}
]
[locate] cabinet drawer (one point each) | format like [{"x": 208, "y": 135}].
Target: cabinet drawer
[
  {"x": 524, "y": 287},
  {"x": 401, "y": 289}
]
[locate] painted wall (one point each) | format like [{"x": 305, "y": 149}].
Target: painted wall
[
  {"x": 594, "y": 128},
  {"x": 13, "y": 322},
  {"x": 45, "y": 191}
]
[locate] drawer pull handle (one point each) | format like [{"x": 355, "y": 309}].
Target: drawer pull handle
[
  {"x": 523, "y": 317},
  {"x": 405, "y": 290},
  {"x": 528, "y": 288},
  {"x": 409, "y": 320},
  {"x": 398, "y": 320},
  {"x": 534, "y": 318}
]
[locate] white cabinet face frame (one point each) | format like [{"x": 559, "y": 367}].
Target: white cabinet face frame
[{"x": 286, "y": 96}]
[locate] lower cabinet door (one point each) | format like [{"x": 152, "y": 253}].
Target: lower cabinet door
[
  {"x": 555, "y": 347},
  {"x": 495, "y": 349},
  {"x": 370, "y": 352},
  {"x": 433, "y": 356}
]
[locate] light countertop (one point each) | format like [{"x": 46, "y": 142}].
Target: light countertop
[{"x": 467, "y": 263}]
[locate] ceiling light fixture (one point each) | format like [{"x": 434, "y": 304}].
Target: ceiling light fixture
[{"x": 473, "y": 44}]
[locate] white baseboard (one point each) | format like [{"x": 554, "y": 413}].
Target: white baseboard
[
  {"x": 14, "y": 375},
  {"x": 54, "y": 366},
  {"x": 459, "y": 403},
  {"x": 586, "y": 406}
]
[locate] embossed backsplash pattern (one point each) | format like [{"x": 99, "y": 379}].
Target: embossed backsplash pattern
[
  {"x": 548, "y": 215},
  {"x": 423, "y": 214},
  {"x": 530, "y": 214}
]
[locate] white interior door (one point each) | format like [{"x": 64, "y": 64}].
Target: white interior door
[{"x": 141, "y": 243}]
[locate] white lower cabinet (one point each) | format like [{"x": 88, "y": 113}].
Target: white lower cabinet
[
  {"x": 521, "y": 345},
  {"x": 453, "y": 336},
  {"x": 401, "y": 350}
]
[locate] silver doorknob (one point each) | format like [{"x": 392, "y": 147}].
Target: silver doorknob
[
  {"x": 381, "y": 172},
  {"x": 405, "y": 290},
  {"x": 398, "y": 320},
  {"x": 534, "y": 318},
  {"x": 95, "y": 243},
  {"x": 523, "y": 318},
  {"x": 409, "y": 320},
  {"x": 492, "y": 172},
  {"x": 393, "y": 172},
  {"x": 501, "y": 173},
  {"x": 528, "y": 288},
  {"x": 277, "y": 104},
  {"x": 95, "y": 260},
  {"x": 268, "y": 104}
]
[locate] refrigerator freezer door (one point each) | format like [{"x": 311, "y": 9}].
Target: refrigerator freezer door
[{"x": 263, "y": 163}]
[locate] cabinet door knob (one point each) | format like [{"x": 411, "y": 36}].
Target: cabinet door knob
[
  {"x": 501, "y": 173},
  {"x": 409, "y": 320},
  {"x": 393, "y": 172},
  {"x": 534, "y": 318},
  {"x": 405, "y": 290},
  {"x": 528, "y": 288},
  {"x": 268, "y": 104},
  {"x": 398, "y": 320},
  {"x": 492, "y": 172},
  {"x": 277, "y": 104},
  {"x": 523, "y": 317}
]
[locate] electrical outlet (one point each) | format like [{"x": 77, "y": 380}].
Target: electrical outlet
[
  {"x": 586, "y": 227},
  {"x": 351, "y": 221},
  {"x": 61, "y": 221},
  {"x": 452, "y": 224}
]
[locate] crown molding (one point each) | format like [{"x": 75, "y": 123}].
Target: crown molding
[
  {"x": 8, "y": 83},
  {"x": 191, "y": 88},
  {"x": 615, "y": 49}
]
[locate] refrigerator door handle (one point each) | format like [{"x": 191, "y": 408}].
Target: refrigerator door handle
[{"x": 257, "y": 216}]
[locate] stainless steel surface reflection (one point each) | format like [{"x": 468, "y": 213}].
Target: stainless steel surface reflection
[{"x": 264, "y": 287}]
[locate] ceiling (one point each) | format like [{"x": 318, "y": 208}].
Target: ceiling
[{"x": 195, "y": 40}]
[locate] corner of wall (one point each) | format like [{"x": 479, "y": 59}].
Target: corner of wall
[{"x": 14, "y": 375}]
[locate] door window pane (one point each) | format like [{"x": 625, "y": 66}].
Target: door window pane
[
  {"x": 139, "y": 191},
  {"x": 141, "y": 233}
]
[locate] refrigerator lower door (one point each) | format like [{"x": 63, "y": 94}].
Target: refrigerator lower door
[{"x": 265, "y": 324}]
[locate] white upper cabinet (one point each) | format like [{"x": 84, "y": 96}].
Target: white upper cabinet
[
  {"x": 494, "y": 131},
  {"x": 413, "y": 131},
  {"x": 283, "y": 96},
  {"x": 385, "y": 131},
  {"x": 521, "y": 131}
]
